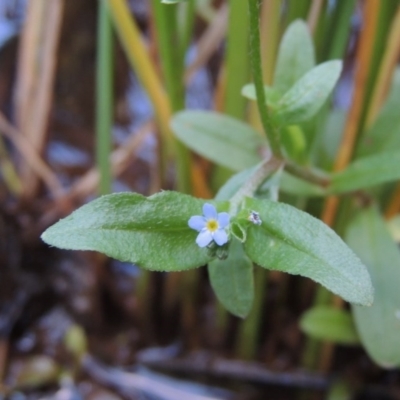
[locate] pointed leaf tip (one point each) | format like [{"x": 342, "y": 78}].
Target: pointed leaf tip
[{"x": 293, "y": 241}]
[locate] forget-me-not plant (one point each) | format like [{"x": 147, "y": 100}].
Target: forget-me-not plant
[{"x": 211, "y": 226}]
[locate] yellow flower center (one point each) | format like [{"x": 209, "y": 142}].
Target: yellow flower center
[{"x": 212, "y": 225}]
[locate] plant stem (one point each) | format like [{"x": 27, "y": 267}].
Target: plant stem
[
  {"x": 337, "y": 31},
  {"x": 311, "y": 175},
  {"x": 10, "y": 175},
  {"x": 270, "y": 130},
  {"x": 270, "y": 31},
  {"x": 172, "y": 61},
  {"x": 297, "y": 9},
  {"x": 131, "y": 40},
  {"x": 379, "y": 44},
  {"x": 265, "y": 169},
  {"x": 186, "y": 19},
  {"x": 246, "y": 344},
  {"x": 104, "y": 98},
  {"x": 237, "y": 66},
  {"x": 386, "y": 70}
]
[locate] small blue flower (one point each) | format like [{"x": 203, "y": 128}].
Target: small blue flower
[{"x": 211, "y": 226}]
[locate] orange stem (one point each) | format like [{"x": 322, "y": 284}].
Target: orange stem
[{"x": 363, "y": 60}]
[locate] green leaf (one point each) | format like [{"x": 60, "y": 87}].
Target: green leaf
[
  {"x": 331, "y": 324},
  {"x": 295, "y": 56},
  {"x": 293, "y": 241},
  {"x": 151, "y": 232},
  {"x": 384, "y": 132},
  {"x": 327, "y": 139},
  {"x": 378, "y": 325},
  {"x": 219, "y": 138},
  {"x": 234, "y": 183},
  {"x": 292, "y": 185},
  {"x": 232, "y": 280},
  {"x": 271, "y": 95},
  {"x": 308, "y": 95},
  {"x": 366, "y": 172}
]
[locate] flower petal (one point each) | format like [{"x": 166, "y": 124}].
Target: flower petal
[
  {"x": 223, "y": 219},
  {"x": 204, "y": 238},
  {"x": 220, "y": 237},
  {"x": 197, "y": 222},
  {"x": 210, "y": 211}
]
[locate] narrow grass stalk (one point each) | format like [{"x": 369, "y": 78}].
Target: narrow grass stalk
[
  {"x": 212, "y": 38},
  {"x": 8, "y": 171},
  {"x": 336, "y": 29},
  {"x": 314, "y": 14},
  {"x": 385, "y": 75},
  {"x": 247, "y": 339},
  {"x": 189, "y": 288},
  {"x": 221, "y": 321},
  {"x": 144, "y": 294},
  {"x": 31, "y": 156},
  {"x": 269, "y": 129},
  {"x": 384, "y": 19},
  {"x": 172, "y": 61},
  {"x": 387, "y": 67},
  {"x": 186, "y": 20},
  {"x": 34, "y": 92},
  {"x": 270, "y": 34},
  {"x": 166, "y": 30},
  {"x": 104, "y": 98},
  {"x": 236, "y": 64},
  {"x": 297, "y": 9},
  {"x": 209, "y": 42},
  {"x": 235, "y": 75},
  {"x": 351, "y": 130},
  {"x": 346, "y": 149},
  {"x": 28, "y": 43},
  {"x": 139, "y": 59}
]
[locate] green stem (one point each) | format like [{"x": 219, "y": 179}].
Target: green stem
[
  {"x": 260, "y": 174},
  {"x": 270, "y": 34},
  {"x": 297, "y": 9},
  {"x": 311, "y": 175},
  {"x": 104, "y": 104},
  {"x": 172, "y": 61},
  {"x": 237, "y": 66},
  {"x": 186, "y": 19},
  {"x": 246, "y": 344},
  {"x": 270, "y": 130},
  {"x": 385, "y": 18},
  {"x": 8, "y": 171},
  {"x": 237, "y": 73},
  {"x": 268, "y": 167},
  {"x": 336, "y": 35}
]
